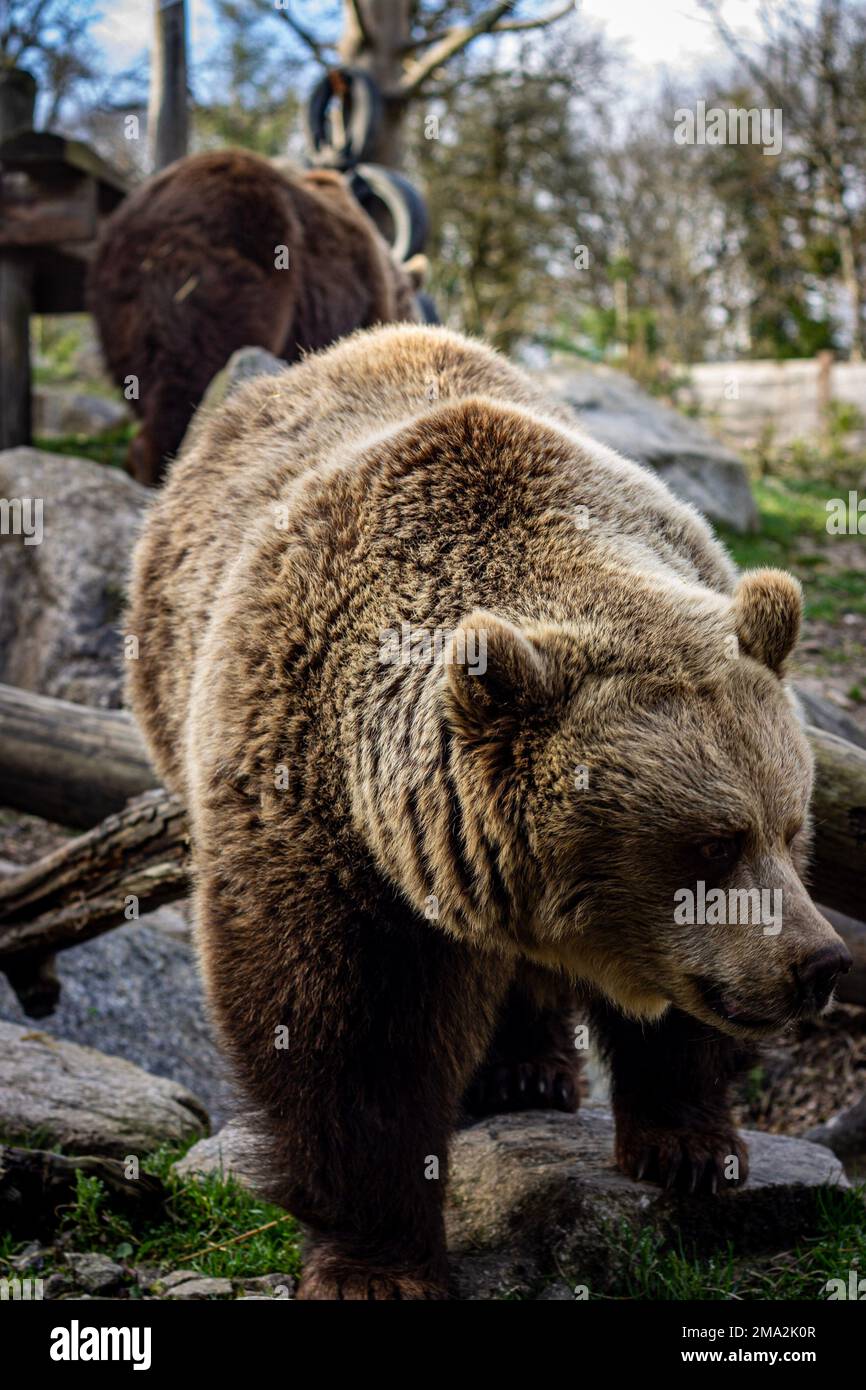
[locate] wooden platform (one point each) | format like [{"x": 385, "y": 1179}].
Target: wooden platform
[{"x": 54, "y": 195}]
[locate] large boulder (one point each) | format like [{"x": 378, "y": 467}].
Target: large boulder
[
  {"x": 136, "y": 993},
  {"x": 535, "y": 1192},
  {"x": 53, "y": 1092},
  {"x": 695, "y": 466},
  {"x": 539, "y": 1191},
  {"x": 61, "y": 600},
  {"x": 58, "y": 411}
]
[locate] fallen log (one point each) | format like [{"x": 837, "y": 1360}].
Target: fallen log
[
  {"x": 129, "y": 865},
  {"x": 36, "y": 1186},
  {"x": 68, "y": 763},
  {"x": 838, "y": 876}
]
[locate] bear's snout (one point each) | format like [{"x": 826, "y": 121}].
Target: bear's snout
[{"x": 817, "y": 976}]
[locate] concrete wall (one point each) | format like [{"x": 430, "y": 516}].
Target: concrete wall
[{"x": 742, "y": 400}]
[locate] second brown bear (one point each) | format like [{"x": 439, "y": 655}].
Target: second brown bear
[{"x": 224, "y": 250}]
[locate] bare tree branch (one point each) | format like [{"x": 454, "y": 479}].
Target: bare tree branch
[
  {"x": 514, "y": 26},
  {"x": 317, "y": 49},
  {"x": 453, "y": 41}
]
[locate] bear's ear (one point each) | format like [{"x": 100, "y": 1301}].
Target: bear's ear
[
  {"x": 417, "y": 268},
  {"x": 496, "y": 673},
  {"x": 768, "y": 606}
]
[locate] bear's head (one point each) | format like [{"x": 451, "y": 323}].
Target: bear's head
[{"x": 648, "y": 784}]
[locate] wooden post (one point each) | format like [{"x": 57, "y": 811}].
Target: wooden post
[
  {"x": 825, "y": 392},
  {"x": 17, "y": 104},
  {"x": 167, "y": 116},
  {"x": 16, "y": 285}
]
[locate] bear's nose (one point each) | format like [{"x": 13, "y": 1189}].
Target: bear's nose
[{"x": 818, "y": 974}]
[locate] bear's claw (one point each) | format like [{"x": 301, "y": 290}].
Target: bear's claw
[
  {"x": 540, "y": 1085},
  {"x": 344, "y": 1280},
  {"x": 689, "y": 1161}
]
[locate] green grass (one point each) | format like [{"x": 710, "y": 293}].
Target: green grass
[
  {"x": 109, "y": 448},
  {"x": 647, "y": 1271},
  {"x": 793, "y": 535},
  {"x": 212, "y": 1211}
]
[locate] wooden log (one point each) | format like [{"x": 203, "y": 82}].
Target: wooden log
[
  {"x": 68, "y": 763},
  {"x": 132, "y": 863},
  {"x": 838, "y": 876},
  {"x": 37, "y": 1186}
]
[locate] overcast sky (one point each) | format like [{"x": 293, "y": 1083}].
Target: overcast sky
[{"x": 671, "y": 32}]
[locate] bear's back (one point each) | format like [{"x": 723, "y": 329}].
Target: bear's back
[{"x": 282, "y": 453}]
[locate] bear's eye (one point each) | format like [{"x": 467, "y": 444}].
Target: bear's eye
[{"x": 721, "y": 852}]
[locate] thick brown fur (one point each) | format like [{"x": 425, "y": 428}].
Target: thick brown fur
[
  {"x": 188, "y": 269},
  {"x": 405, "y": 869}
]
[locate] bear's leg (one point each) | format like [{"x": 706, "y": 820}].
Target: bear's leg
[
  {"x": 532, "y": 1062},
  {"x": 355, "y": 1039},
  {"x": 670, "y": 1084}
]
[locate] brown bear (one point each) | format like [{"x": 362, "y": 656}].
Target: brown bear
[
  {"x": 226, "y": 250},
  {"x": 460, "y": 701}
]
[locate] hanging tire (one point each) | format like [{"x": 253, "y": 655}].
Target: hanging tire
[
  {"x": 362, "y": 117},
  {"x": 427, "y": 307},
  {"x": 406, "y": 208}
]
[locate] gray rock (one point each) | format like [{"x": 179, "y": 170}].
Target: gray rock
[
  {"x": 58, "y": 411},
  {"x": 136, "y": 993},
  {"x": 538, "y": 1192},
  {"x": 556, "y": 1293},
  {"x": 270, "y": 1286},
  {"x": 61, "y": 600},
  {"x": 57, "y": 1286},
  {"x": 243, "y": 365},
  {"x": 845, "y": 1136},
  {"x": 826, "y": 716},
  {"x": 534, "y": 1193},
  {"x": 55, "y": 1092},
  {"x": 695, "y": 466},
  {"x": 94, "y": 1273},
  {"x": 189, "y": 1285},
  {"x": 228, "y": 1153}
]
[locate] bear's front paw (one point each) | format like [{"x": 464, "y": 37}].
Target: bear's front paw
[
  {"x": 684, "y": 1160},
  {"x": 547, "y": 1084},
  {"x": 335, "y": 1279}
]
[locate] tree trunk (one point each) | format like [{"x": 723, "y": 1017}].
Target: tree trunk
[
  {"x": 167, "y": 114},
  {"x": 68, "y": 763},
  {"x": 390, "y": 30}
]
